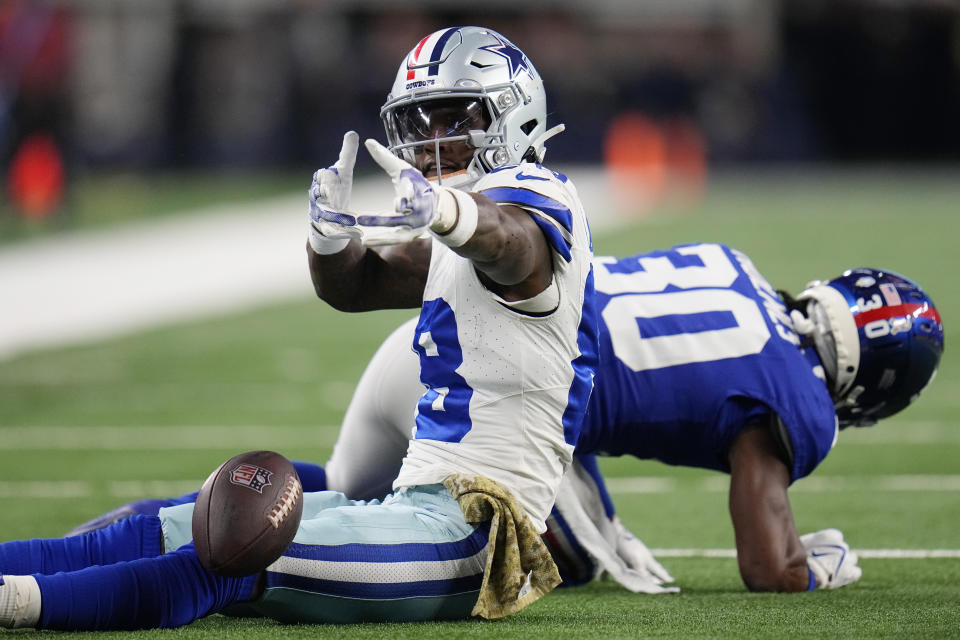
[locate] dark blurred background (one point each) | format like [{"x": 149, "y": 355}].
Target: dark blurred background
[{"x": 692, "y": 85}]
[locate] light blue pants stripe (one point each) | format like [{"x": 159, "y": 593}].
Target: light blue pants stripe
[{"x": 410, "y": 557}]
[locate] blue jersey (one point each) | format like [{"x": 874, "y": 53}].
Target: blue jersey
[{"x": 694, "y": 344}]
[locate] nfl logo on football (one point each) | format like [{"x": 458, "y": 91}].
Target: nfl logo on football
[{"x": 251, "y": 476}]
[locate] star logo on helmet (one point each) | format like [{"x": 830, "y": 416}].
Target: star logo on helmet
[{"x": 515, "y": 58}]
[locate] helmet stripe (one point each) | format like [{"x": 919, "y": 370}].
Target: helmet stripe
[
  {"x": 907, "y": 309},
  {"x": 412, "y": 58},
  {"x": 438, "y": 50}
]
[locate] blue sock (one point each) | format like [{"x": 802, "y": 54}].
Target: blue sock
[
  {"x": 128, "y": 539},
  {"x": 167, "y": 591},
  {"x": 313, "y": 477}
]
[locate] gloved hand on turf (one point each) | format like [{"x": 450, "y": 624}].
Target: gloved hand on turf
[
  {"x": 830, "y": 559},
  {"x": 331, "y": 224},
  {"x": 637, "y": 556}
]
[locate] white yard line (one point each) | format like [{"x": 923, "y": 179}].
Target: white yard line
[
  {"x": 66, "y": 437},
  {"x": 617, "y": 486},
  {"x": 896, "y": 554},
  {"x": 133, "y": 489},
  {"x": 815, "y": 484}
]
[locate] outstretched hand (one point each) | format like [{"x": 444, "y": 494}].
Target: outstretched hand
[
  {"x": 330, "y": 192},
  {"x": 415, "y": 201},
  {"x": 415, "y": 205}
]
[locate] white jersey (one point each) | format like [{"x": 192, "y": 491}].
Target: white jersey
[{"x": 507, "y": 390}]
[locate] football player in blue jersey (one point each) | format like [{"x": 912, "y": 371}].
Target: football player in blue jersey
[
  {"x": 703, "y": 364},
  {"x": 495, "y": 251}
]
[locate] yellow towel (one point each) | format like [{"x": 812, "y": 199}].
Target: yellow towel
[{"x": 519, "y": 567}]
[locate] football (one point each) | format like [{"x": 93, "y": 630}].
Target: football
[{"x": 247, "y": 513}]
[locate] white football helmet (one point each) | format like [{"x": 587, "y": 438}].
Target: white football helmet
[{"x": 468, "y": 84}]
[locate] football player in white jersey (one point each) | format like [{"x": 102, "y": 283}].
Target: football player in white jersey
[{"x": 495, "y": 250}]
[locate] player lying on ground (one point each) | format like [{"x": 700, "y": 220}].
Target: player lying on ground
[
  {"x": 703, "y": 364},
  {"x": 507, "y": 345}
]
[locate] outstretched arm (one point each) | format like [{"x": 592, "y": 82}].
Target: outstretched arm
[
  {"x": 360, "y": 278},
  {"x": 505, "y": 245},
  {"x": 508, "y": 250},
  {"x": 346, "y": 273},
  {"x": 769, "y": 551}
]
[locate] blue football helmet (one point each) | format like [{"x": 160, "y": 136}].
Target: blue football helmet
[
  {"x": 879, "y": 337},
  {"x": 468, "y": 84}
]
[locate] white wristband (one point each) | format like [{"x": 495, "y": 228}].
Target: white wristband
[
  {"x": 323, "y": 245},
  {"x": 457, "y": 217}
]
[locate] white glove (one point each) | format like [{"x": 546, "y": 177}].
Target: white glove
[
  {"x": 830, "y": 559},
  {"x": 636, "y": 554},
  {"x": 415, "y": 203},
  {"x": 331, "y": 224},
  {"x": 418, "y": 206}
]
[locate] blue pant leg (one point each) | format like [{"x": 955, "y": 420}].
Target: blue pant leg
[
  {"x": 129, "y": 539},
  {"x": 410, "y": 558},
  {"x": 313, "y": 477},
  {"x": 166, "y": 591}
]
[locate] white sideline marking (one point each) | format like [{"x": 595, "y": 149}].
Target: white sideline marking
[
  {"x": 129, "y": 490},
  {"x": 151, "y": 273},
  {"x": 886, "y": 554},
  {"x": 141, "y": 275}
]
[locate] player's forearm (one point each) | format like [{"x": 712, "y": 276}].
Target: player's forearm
[
  {"x": 507, "y": 245},
  {"x": 780, "y": 572},
  {"x": 336, "y": 277},
  {"x": 769, "y": 552},
  {"x": 359, "y": 279}
]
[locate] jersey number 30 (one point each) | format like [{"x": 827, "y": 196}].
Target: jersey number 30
[{"x": 699, "y": 319}]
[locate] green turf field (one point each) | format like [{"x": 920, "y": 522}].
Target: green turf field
[{"x": 86, "y": 428}]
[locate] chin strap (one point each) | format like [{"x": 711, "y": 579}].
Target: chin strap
[
  {"x": 801, "y": 323},
  {"x": 816, "y": 326}
]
